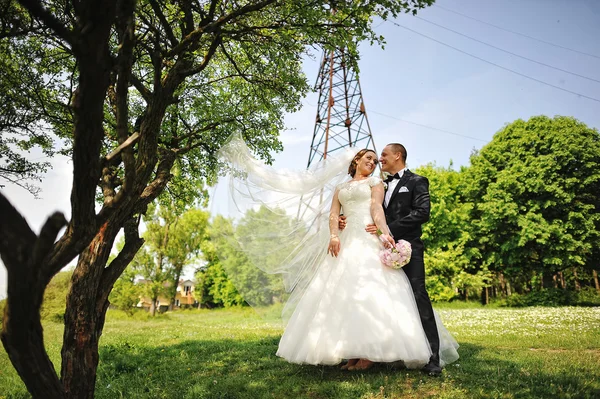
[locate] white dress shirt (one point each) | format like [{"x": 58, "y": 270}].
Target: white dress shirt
[{"x": 391, "y": 186}]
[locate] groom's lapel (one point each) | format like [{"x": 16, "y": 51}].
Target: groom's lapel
[{"x": 405, "y": 177}]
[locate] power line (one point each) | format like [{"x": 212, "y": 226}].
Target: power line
[
  {"x": 506, "y": 51},
  {"x": 414, "y": 123},
  {"x": 425, "y": 126},
  {"x": 516, "y": 33},
  {"x": 498, "y": 66}
]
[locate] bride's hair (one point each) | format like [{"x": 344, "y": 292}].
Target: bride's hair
[{"x": 359, "y": 155}]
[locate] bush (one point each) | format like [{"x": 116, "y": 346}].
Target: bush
[
  {"x": 55, "y": 297},
  {"x": 553, "y": 297},
  {"x": 135, "y": 314},
  {"x": 587, "y": 296},
  {"x": 513, "y": 301},
  {"x": 438, "y": 289},
  {"x": 2, "y": 305}
]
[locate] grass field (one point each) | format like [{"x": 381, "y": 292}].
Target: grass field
[{"x": 505, "y": 353}]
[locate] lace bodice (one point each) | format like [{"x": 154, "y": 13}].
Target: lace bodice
[{"x": 355, "y": 198}]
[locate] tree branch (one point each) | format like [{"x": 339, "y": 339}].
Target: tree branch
[
  {"x": 139, "y": 85},
  {"x": 37, "y": 10},
  {"x": 213, "y": 26},
  {"x": 24, "y": 256},
  {"x": 163, "y": 175},
  {"x": 124, "y": 62},
  {"x": 45, "y": 242},
  {"x": 209, "y": 54},
  {"x": 127, "y": 143},
  {"x": 165, "y": 24},
  {"x": 16, "y": 237},
  {"x": 188, "y": 16},
  {"x": 133, "y": 243}
]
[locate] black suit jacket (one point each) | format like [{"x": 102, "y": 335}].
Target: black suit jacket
[{"x": 408, "y": 208}]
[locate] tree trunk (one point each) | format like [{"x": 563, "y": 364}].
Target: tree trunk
[
  {"x": 80, "y": 344},
  {"x": 84, "y": 316},
  {"x": 485, "y": 296},
  {"x": 87, "y": 303},
  {"x": 87, "y": 299},
  {"x": 596, "y": 282},
  {"x": 577, "y": 285},
  {"x": 563, "y": 284},
  {"x": 153, "y": 305},
  {"x": 178, "y": 270},
  {"x": 502, "y": 283},
  {"x": 547, "y": 280}
]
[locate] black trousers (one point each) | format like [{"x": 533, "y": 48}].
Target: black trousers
[{"x": 415, "y": 271}]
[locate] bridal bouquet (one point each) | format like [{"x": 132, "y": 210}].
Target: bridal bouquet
[{"x": 396, "y": 256}]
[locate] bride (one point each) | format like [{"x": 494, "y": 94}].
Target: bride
[{"x": 351, "y": 305}]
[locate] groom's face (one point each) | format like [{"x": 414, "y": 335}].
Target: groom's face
[{"x": 390, "y": 160}]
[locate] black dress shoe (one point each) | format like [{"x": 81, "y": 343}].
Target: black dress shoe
[{"x": 432, "y": 369}]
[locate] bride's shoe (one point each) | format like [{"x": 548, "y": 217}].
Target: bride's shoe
[{"x": 350, "y": 363}]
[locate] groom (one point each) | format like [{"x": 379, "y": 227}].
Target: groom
[{"x": 406, "y": 205}]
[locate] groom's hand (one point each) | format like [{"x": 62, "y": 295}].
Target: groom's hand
[
  {"x": 342, "y": 222},
  {"x": 371, "y": 228}
]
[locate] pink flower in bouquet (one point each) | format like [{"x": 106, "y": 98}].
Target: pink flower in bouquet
[
  {"x": 386, "y": 257},
  {"x": 397, "y": 256}
]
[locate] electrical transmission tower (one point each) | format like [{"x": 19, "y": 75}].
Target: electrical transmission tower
[
  {"x": 341, "y": 120},
  {"x": 341, "y": 116}
]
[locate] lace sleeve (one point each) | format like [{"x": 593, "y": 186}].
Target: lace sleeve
[{"x": 374, "y": 180}]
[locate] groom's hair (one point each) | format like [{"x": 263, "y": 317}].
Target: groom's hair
[{"x": 397, "y": 147}]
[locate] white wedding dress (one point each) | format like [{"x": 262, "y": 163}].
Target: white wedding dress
[{"x": 355, "y": 307}]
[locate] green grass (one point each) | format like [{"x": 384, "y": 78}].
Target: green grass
[{"x": 505, "y": 353}]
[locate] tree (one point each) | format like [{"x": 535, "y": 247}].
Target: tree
[
  {"x": 125, "y": 294},
  {"x": 232, "y": 274},
  {"x": 269, "y": 238},
  {"x": 213, "y": 287},
  {"x": 151, "y": 261},
  {"x": 55, "y": 297},
  {"x": 534, "y": 190},
  {"x": 148, "y": 263},
  {"x": 142, "y": 88},
  {"x": 449, "y": 257},
  {"x": 172, "y": 241},
  {"x": 25, "y": 95},
  {"x": 183, "y": 247}
]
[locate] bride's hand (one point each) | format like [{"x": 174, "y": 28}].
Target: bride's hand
[
  {"x": 334, "y": 246},
  {"x": 387, "y": 240}
]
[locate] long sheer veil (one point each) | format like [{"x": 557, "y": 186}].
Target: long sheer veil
[{"x": 281, "y": 222}]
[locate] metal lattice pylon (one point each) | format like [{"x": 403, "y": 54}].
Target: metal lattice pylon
[{"x": 341, "y": 119}]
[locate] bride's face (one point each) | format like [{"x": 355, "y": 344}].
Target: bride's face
[{"x": 366, "y": 164}]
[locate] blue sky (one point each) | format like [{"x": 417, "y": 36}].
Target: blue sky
[{"x": 416, "y": 80}]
